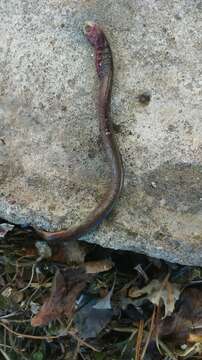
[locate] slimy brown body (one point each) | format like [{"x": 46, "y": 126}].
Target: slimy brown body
[{"x": 104, "y": 67}]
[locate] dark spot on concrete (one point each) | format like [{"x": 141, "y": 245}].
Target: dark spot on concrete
[
  {"x": 41, "y": 106},
  {"x": 159, "y": 235},
  {"x": 52, "y": 42},
  {"x": 171, "y": 128},
  {"x": 2, "y": 141},
  {"x": 144, "y": 98},
  {"x": 63, "y": 108},
  {"x": 58, "y": 96},
  {"x": 116, "y": 128},
  {"x": 199, "y": 5},
  {"x": 91, "y": 154},
  {"x": 52, "y": 207},
  {"x": 99, "y": 141},
  {"x": 178, "y": 16},
  {"x": 71, "y": 82}
]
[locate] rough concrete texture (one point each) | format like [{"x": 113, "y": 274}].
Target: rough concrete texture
[{"x": 53, "y": 169}]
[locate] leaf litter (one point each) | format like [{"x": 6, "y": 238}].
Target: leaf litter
[{"x": 81, "y": 301}]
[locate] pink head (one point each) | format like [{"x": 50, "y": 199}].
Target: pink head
[{"x": 94, "y": 35}]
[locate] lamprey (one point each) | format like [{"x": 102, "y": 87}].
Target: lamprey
[{"x": 104, "y": 68}]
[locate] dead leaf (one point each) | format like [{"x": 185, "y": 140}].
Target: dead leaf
[
  {"x": 169, "y": 293},
  {"x": 91, "y": 321},
  {"x": 105, "y": 302},
  {"x": 93, "y": 317},
  {"x": 94, "y": 267},
  {"x": 67, "y": 285},
  {"x": 185, "y": 324},
  {"x": 72, "y": 253}
]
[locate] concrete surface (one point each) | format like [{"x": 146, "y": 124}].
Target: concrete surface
[{"x": 52, "y": 168}]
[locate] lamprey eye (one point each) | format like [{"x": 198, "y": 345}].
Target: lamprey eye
[{"x": 88, "y": 27}]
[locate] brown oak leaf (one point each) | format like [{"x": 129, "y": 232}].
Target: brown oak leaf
[{"x": 66, "y": 287}]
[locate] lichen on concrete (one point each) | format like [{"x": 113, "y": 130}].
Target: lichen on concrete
[{"x": 52, "y": 168}]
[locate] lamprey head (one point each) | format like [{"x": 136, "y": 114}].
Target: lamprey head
[{"x": 94, "y": 34}]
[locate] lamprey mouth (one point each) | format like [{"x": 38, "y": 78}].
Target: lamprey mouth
[{"x": 87, "y": 27}]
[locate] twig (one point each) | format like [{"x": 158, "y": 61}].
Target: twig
[
  {"x": 75, "y": 356},
  {"x": 46, "y": 337},
  {"x": 167, "y": 350},
  {"x": 8, "y": 315},
  {"x": 82, "y": 342},
  {"x": 150, "y": 333},
  {"x": 6, "y": 346},
  {"x": 139, "y": 340},
  {"x": 28, "y": 336},
  {"x": 130, "y": 339},
  {"x": 122, "y": 329},
  {"x": 4, "y": 355},
  {"x": 30, "y": 281}
]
